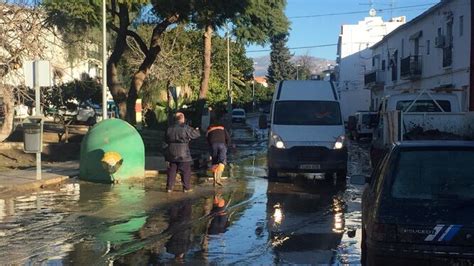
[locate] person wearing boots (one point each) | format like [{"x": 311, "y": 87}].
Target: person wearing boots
[
  {"x": 178, "y": 154},
  {"x": 218, "y": 139}
]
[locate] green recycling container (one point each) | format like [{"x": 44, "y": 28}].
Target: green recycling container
[{"x": 112, "y": 135}]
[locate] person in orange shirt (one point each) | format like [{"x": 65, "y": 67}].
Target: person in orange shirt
[{"x": 218, "y": 139}]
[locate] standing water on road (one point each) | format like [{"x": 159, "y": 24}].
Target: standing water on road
[{"x": 250, "y": 220}]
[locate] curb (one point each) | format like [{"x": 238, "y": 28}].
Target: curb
[
  {"x": 7, "y": 191},
  {"x": 37, "y": 184}
]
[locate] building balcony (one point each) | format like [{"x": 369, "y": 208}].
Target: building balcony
[
  {"x": 374, "y": 79},
  {"x": 410, "y": 67}
]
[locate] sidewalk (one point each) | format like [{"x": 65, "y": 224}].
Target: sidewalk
[{"x": 17, "y": 181}]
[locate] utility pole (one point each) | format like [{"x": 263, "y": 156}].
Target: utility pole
[
  {"x": 253, "y": 87},
  {"x": 36, "y": 85},
  {"x": 104, "y": 61},
  {"x": 297, "y": 76}
]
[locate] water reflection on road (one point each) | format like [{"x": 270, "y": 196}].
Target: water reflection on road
[{"x": 249, "y": 221}]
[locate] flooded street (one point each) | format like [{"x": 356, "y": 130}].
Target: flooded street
[{"x": 294, "y": 219}]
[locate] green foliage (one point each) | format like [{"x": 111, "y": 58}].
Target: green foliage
[
  {"x": 72, "y": 93},
  {"x": 165, "y": 8},
  {"x": 72, "y": 16},
  {"x": 180, "y": 61},
  {"x": 260, "y": 20},
  {"x": 280, "y": 67},
  {"x": 304, "y": 72},
  {"x": 216, "y": 12}
]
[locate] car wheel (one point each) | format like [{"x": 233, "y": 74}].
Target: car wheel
[{"x": 272, "y": 173}]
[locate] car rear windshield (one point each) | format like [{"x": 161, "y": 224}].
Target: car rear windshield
[
  {"x": 307, "y": 113},
  {"x": 424, "y": 106},
  {"x": 238, "y": 112},
  {"x": 434, "y": 174}
]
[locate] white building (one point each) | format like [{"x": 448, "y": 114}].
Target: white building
[
  {"x": 49, "y": 46},
  {"x": 354, "y": 58},
  {"x": 431, "y": 52}
]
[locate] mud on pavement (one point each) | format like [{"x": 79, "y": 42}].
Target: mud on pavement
[{"x": 250, "y": 220}]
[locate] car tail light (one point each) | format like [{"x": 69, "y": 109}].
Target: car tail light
[{"x": 384, "y": 232}]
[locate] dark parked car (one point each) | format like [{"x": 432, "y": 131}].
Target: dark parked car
[{"x": 418, "y": 208}]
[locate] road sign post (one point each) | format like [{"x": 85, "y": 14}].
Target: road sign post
[{"x": 37, "y": 74}]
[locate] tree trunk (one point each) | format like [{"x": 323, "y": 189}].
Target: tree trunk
[
  {"x": 206, "y": 65},
  {"x": 113, "y": 81},
  {"x": 144, "y": 69},
  {"x": 8, "y": 105},
  {"x": 116, "y": 89}
]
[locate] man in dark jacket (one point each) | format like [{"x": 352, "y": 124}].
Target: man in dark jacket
[
  {"x": 178, "y": 154},
  {"x": 218, "y": 139}
]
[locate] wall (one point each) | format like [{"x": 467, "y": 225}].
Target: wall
[
  {"x": 52, "y": 49},
  {"x": 354, "y": 59},
  {"x": 433, "y": 73}
]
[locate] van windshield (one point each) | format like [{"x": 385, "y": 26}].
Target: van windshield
[
  {"x": 307, "y": 113},
  {"x": 434, "y": 174},
  {"x": 424, "y": 106}
]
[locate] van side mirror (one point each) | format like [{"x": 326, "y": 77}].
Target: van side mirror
[{"x": 359, "y": 180}]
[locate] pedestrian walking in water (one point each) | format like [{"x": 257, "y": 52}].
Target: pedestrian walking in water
[
  {"x": 218, "y": 139},
  {"x": 178, "y": 154}
]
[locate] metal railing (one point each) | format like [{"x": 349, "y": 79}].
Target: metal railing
[{"x": 411, "y": 67}]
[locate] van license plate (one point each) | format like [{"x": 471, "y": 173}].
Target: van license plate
[{"x": 310, "y": 166}]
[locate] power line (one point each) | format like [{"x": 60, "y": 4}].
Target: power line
[
  {"x": 296, "y": 48},
  {"x": 359, "y": 12}
]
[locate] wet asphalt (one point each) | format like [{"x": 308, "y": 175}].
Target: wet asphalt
[{"x": 295, "y": 219}]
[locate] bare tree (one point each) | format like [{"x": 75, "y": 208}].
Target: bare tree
[{"x": 22, "y": 31}]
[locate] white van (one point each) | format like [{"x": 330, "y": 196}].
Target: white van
[
  {"x": 306, "y": 129},
  {"x": 364, "y": 124}
]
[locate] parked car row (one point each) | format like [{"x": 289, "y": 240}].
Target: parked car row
[
  {"x": 417, "y": 205},
  {"x": 85, "y": 113}
]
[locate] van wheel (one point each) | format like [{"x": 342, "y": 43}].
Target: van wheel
[
  {"x": 272, "y": 173},
  {"x": 363, "y": 246},
  {"x": 341, "y": 175}
]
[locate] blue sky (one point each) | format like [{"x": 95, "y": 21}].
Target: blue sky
[{"x": 325, "y": 29}]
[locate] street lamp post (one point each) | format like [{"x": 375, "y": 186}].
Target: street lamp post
[
  {"x": 297, "y": 76},
  {"x": 253, "y": 94},
  {"x": 104, "y": 61}
]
